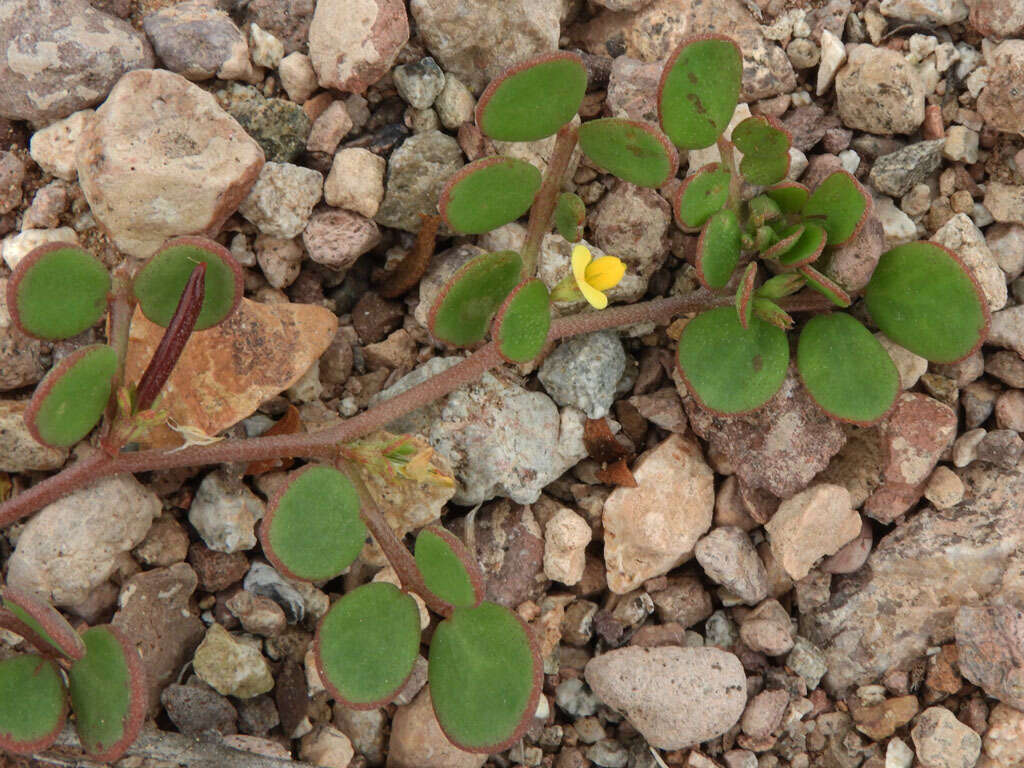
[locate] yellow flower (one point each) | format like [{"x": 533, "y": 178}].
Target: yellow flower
[{"x": 594, "y": 276}]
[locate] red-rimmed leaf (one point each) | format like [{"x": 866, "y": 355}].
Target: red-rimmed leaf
[
  {"x": 761, "y": 210},
  {"x": 485, "y": 676},
  {"x": 785, "y": 284},
  {"x": 699, "y": 89},
  {"x": 763, "y": 170},
  {"x": 570, "y": 213},
  {"x": 533, "y": 99},
  {"x": 841, "y": 204},
  {"x": 366, "y": 645},
  {"x": 781, "y": 246},
  {"x": 718, "y": 250},
  {"x": 71, "y": 400},
  {"x": 807, "y": 248},
  {"x": 488, "y": 194},
  {"x": 33, "y": 703},
  {"x": 448, "y": 569},
  {"x": 108, "y": 693},
  {"x": 762, "y": 136},
  {"x": 771, "y": 313},
  {"x": 790, "y": 195},
  {"x": 522, "y": 323},
  {"x": 464, "y": 310},
  {"x": 825, "y": 286},
  {"x": 44, "y": 620},
  {"x": 744, "y": 294},
  {"x": 700, "y": 196},
  {"x": 57, "y": 291},
  {"x": 635, "y": 151}
]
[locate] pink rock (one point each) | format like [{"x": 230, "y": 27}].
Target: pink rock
[
  {"x": 913, "y": 437},
  {"x": 810, "y": 525},
  {"x": 336, "y": 238},
  {"x": 353, "y": 43}
]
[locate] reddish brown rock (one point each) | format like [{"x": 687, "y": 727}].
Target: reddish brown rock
[
  {"x": 880, "y": 721},
  {"x": 352, "y": 43},
  {"x": 217, "y": 570}
]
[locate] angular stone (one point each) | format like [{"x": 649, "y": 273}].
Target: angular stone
[
  {"x": 352, "y": 43},
  {"x": 811, "y": 525},
  {"x": 225, "y": 512},
  {"x": 198, "y": 42},
  {"x": 584, "y": 372},
  {"x": 853, "y": 263},
  {"x": 879, "y": 91},
  {"x": 566, "y": 536},
  {"x": 53, "y": 147},
  {"x": 1005, "y": 202},
  {"x": 675, "y": 697},
  {"x": 337, "y": 239},
  {"x": 942, "y": 741},
  {"x": 282, "y": 199},
  {"x": 940, "y": 12},
  {"x": 897, "y": 173},
  {"x": 990, "y": 641},
  {"x": 196, "y": 710},
  {"x": 279, "y": 126},
  {"x": 767, "y": 629},
  {"x": 1004, "y": 740},
  {"x": 19, "y": 451},
  {"x": 356, "y": 181},
  {"x": 997, "y": 18},
  {"x": 60, "y": 56},
  {"x": 633, "y": 224},
  {"x": 417, "y": 172},
  {"x": 161, "y": 158},
  {"x": 1001, "y": 102},
  {"x": 962, "y": 237},
  {"x": 728, "y": 558},
  {"x": 880, "y": 721},
  {"x": 650, "y": 529},
  {"x": 231, "y": 667}
]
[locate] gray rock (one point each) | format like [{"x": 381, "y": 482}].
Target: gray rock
[
  {"x": 265, "y": 581},
  {"x": 417, "y": 172},
  {"x": 608, "y": 753},
  {"x": 419, "y": 83},
  {"x": 225, "y": 514},
  {"x": 198, "y": 42},
  {"x": 676, "y": 697},
  {"x": 897, "y": 173},
  {"x": 366, "y": 729},
  {"x": 575, "y": 699},
  {"x": 195, "y": 710},
  {"x": 729, "y": 559},
  {"x": 60, "y": 56},
  {"x": 584, "y": 372},
  {"x": 942, "y": 741},
  {"x": 282, "y": 199},
  {"x": 885, "y": 615},
  {"x": 279, "y": 126},
  {"x": 808, "y": 661}
]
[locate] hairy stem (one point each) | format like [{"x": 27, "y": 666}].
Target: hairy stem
[
  {"x": 544, "y": 204},
  {"x": 725, "y": 149},
  {"x": 324, "y": 442}
]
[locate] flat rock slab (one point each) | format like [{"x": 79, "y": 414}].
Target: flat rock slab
[{"x": 676, "y": 697}]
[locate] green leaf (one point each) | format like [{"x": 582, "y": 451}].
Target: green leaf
[
  {"x": 161, "y": 281},
  {"x": 701, "y": 195},
  {"x": 71, "y": 400},
  {"x": 488, "y": 194},
  {"x": 635, "y": 151},
  {"x": 33, "y": 703},
  {"x": 43, "y": 619},
  {"x": 467, "y": 303},
  {"x": 57, "y": 291},
  {"x": 485, "y": 677},
  {"x": 312, "y": 529},
  {"x": 570, "y": 213},
  {"x": 776, "y": 247},
  {"x": 764, "y": 169},
  {"x": 761, "y": 136},
  {"x": 846, "y": 370},
  {"x": 718, "y": 249},
  {"x": 728, "y": 369},
  {"x": 841, "y": 204},
  {"x": 108, "y": 693},
  {"x": 790, "y": 195},
  {"x": 772, "y": 313},
  {"x": 825, "y": 286},
  {"x": 533, "y": 99},
  {"x": 807, "y": 248},
  {"x": 745, "y": 293},
  {"x": 761, "y": 210},
  {"x": 923, "y": 297},
  {"x": 699, "y": 89},
  {"x": 522, "y": 324},
  {"x": 448, "y": 569},
  {"x": 785, "y": 284},
  {"x": 366, "y": 645}
]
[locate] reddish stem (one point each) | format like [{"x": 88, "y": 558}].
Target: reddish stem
[
  {"x": 544, "y": 204},
  {"x": 174, "y": 339}
]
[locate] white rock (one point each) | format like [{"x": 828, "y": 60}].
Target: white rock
[
  {"x": 282, "y": 199},
  {"x": 898, "y": 754},
  {"x": 833, "y": 54},
  {"x": 701, "y": 157},
  {"x": 926, "y": 11},
  {"x": 297, "y": 76},
  {"x": 898, "y": 227},
  {"x": 328, "y": 747},
  {"x": 224, "y": 515},
  {"x": 265, "y": 49},
  {"x": 565, "y": 542},
  {"x": 17, "y": 246},
  {"x": 53, "y": 147},
  {"x": 356, "y": 181},
  {"x": 911, "y": 367}
]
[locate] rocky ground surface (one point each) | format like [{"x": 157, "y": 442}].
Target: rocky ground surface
[{"x": 777, "y": 590}]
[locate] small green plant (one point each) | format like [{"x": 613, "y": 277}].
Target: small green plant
[{"x": 98, "y": 672}]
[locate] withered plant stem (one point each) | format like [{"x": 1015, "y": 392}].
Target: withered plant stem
[
  {"x": 324, "y": 442},
  {"x": 544, "y": 204}
]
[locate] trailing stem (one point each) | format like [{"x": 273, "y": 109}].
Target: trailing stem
[
  {"x": 325, "y": 442},
  {"x": 544, "y": 204}
]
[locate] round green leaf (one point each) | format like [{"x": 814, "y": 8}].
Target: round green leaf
[
  {"x": 841, "y": 205},
  {"x": 922, "y": 297},
  {"x": 485, "y": 677},
  {"x": 570, "y": 213},
  {"x": 57, "y": 291},
  {"x": 632, "y": 150},
  {"x": 845, "y": 369},
  {"x": 522, "y": 324},
  {"x": 825, "y": 286},
  {"x": 33, "y": 703},
  {"x": 161, "y": 281},
  {"x": 762, "y": 209},
  {"x": 447, "y": 568},
  {"x": 488, "y": 194},
  {"x": 790, "y": 195},
  {"x": 762, "y": 136},
  {"x": 366, "y": 645},
  {"x": 108, "y": 693},
  {"x": 71, "y": 400},
  {"x": 728, "y": 369},
  {"x": 43, "y": 619},
  {"x": 467, "y": 304},
  {"x": 701, "y": 195},
  {"x": 534, "y": 99},
  {"x": 806, "y": 248},
  {"x": 718, "y": 250},
  {"x": 766, "y": 169},
  {"x": 312, "y": 529},
  {"x": 699, "y": 88}
]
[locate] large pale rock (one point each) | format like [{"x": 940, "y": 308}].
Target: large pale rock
[
  {"x": 417, "y": 740},
  {"x": 879, "y": 91},
  {"x": 73, "y": 545},
  {"x": 353, "y": 43},
  {"x": 650, "y": 529},
  {"x": 652, "y": 33},
  {"x": 161, "y": 158},
  {"x": 225, "y": 372},
  {"x": 676, "y": 697},
  {"x": 962, "y": 237},
  {"x": 477, "y": 41},
  {"x": 59, "y": 56},
  {"x": 907, "y": 596},
  {"x": 19, "y": 451},
  {"x": 814, "y": 523}
]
